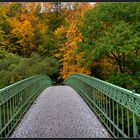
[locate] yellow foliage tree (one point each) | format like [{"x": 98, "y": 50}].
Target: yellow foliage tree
[
  {"x": 26, "y": 30},
  {"x": 22, "y": 31},
  {"x": 68, "y": 57}
]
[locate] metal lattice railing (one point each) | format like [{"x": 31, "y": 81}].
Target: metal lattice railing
[
  {"x": 117, "y": 108},
  {"x": 16, "y": 98}
]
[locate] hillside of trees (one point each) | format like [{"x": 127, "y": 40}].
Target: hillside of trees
[{"x": 59, "y": 39}]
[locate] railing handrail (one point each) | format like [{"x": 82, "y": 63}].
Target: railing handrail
[
  {"x": 129, "y": 92},
  {"x": 22, "y": 80}
]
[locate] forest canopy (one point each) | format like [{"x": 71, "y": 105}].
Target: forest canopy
[{"x": 59, "y": 39}]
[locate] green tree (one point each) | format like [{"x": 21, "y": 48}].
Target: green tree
[{"x": 110, "y": 30}]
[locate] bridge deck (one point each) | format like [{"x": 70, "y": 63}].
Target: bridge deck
[{"x": 59, "y": 112}]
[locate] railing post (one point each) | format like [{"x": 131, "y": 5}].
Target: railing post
[
  {"x": 135, "y": 131},
  {"x": 134, "y": 126},
  {"x": 0, "y": 117}
]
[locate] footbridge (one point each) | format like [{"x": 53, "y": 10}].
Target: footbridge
[{"x": 84, "y": 107}]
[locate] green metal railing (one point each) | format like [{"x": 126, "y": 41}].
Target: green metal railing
[
  {"x": 15, "y": 100},
  {"x": 117, "y": 108}
]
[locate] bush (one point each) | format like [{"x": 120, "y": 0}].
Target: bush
[{"x": 14, "y": 68}]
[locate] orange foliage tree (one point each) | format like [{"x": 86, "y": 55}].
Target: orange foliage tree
[
  {"x": 27, "y": 30},
  {"x": 67, "y": 52}
]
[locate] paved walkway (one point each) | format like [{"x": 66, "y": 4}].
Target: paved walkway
[{"x": 59, "y": 112}]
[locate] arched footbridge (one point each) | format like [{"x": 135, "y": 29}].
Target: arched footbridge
[{"x": 84, "y": 107}]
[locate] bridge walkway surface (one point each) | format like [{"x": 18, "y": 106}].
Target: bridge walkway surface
[{"x": 60, "y": 112}]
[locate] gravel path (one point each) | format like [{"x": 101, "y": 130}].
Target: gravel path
[{"x": 59, "y": 112}]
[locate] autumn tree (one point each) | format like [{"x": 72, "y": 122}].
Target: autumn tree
[
  {"x": 5, "y": 28},
  {"x": 23, "y": 30},
  {"x": 27, "y": 33},
  {"x": 69, "y": 59}
]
